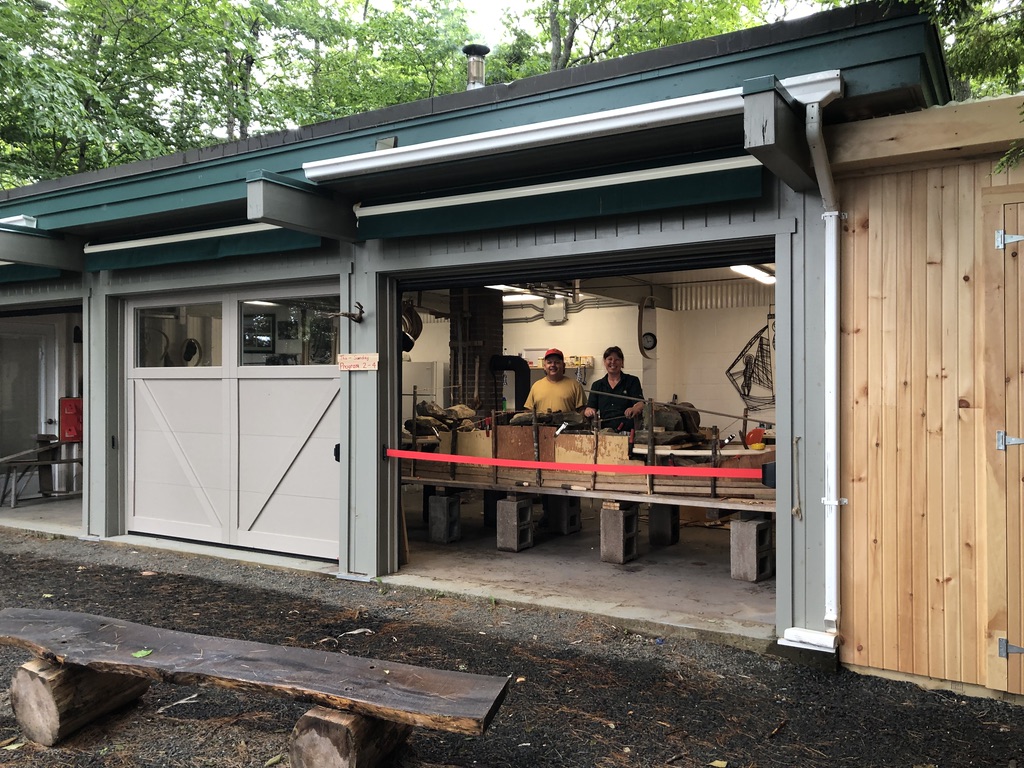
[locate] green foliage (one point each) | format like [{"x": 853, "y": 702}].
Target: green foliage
[
  {"x": 578, "y": 32},
  {"x": 988, "y": 47},
  {"x": 93, "y": 83}
]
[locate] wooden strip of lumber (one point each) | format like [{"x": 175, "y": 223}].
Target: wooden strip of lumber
[
  {"x": 935, "y": 501},
  {"x": 936, "y": 134},
  {"x": 327, "y": 738},
  {"x": 853, "y": 391},
  {"x": 450, "y": 701},
  {"x": 51, "y": 702}
]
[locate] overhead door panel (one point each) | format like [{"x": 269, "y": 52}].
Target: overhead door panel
[
  {"x": 288, "y": 496},
  {"x": 179, "y": 472}
]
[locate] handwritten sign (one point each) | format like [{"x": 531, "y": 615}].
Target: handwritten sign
[{"x": 358, "y": 362}]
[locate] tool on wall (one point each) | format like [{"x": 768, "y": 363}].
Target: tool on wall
[
  {"x": 355, "y": 317},
  {"x": 475, "y": 402}
]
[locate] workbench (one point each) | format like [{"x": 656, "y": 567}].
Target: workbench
[
  {"x": 17, "y": 468},
  {"x": 510, "y": 463}
]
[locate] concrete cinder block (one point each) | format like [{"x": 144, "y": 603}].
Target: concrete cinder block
[
  {"x": 620, "y": 531},
  {"x": 752, "y": 549},
  {"x": 515, "y": 524},
  {"x": 444, "y": 524},
  {"x": 563, "y": 514},
  {"x": 663, "y": 525}
]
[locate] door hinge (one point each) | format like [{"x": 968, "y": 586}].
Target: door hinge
[
  {"x": 1002, "y": 239},
  {"x": 1002, "y": 440},
  {"x": 1006, "y": 648}
]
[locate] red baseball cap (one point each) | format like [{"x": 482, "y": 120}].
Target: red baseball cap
[{"x": 554, "y": 353}]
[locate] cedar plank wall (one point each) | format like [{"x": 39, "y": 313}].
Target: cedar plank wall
[{"x": 922, "y": 393}]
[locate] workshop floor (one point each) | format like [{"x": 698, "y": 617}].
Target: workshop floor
[
  {"x": 683, "y": 589},
  {"x": 686, "y": 587}
]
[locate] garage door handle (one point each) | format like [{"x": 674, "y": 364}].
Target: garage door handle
[{"x": 1002, "y": 440}]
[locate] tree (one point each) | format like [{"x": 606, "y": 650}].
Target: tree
[{"x": 576, "y": 32}]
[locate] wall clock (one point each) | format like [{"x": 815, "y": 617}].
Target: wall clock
[{"x": 649, "y": 341}]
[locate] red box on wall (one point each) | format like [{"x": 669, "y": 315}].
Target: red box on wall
[{"x": 70, "y": 419}]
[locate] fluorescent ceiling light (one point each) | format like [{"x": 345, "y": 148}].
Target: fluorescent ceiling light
[
  {"x": 257, "y": 303},
  {"x": 756, "y": 273},
  {"x": 182, "y": 237},
  {"x": 513, "y": 298}
]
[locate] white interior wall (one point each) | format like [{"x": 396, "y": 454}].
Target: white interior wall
[
  {"x": 695, "y": 348},
  {"x": 589, "y": 332}
]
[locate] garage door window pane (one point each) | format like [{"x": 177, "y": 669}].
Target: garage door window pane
[
  {"x": 183, "y": 336},
  {"x": 293, "y": 331}
]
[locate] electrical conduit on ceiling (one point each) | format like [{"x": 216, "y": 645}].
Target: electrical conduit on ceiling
[{"x": 827, "y": 640}]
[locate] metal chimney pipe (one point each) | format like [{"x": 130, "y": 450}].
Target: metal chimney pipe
[{"x": 475, "y": 53}]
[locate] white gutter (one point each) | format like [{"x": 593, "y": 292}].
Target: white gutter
[
  {"x": 613, "y": 122},
  {"x": 798, "y": 636}
]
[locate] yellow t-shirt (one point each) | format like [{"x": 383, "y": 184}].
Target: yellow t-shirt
[{"x": 563, "y": 395}]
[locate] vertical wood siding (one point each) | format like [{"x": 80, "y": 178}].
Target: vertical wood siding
[{"x": 922, "y": 384}]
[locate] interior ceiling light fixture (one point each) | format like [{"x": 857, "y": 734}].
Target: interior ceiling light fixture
[{"x": 755, "y": 273}]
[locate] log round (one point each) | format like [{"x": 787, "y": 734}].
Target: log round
[
  {"x": 327, "y": 738},
  {"x": 51, "y": 702}
]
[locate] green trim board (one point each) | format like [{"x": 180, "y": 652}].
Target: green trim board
[
  {"x": 20, "y": 273},
  {"x": 249, "y": 244},
  {"x": 720, "y": 186}
]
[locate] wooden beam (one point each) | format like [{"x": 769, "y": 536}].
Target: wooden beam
[
  {"x": 298, "y": 206},
  {"x": 953, "y": 132},
  {"x": 21, "y": 245},
  {"x": 773, "y": 132}
]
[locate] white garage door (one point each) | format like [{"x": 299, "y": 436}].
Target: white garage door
[{"x": 233, "y": 413}]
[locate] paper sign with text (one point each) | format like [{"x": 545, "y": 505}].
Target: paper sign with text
[{"x": 358, "y": 362}]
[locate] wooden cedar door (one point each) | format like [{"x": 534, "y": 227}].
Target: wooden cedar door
[{"x": 932, "y": 359}]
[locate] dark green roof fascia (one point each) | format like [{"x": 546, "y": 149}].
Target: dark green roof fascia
[
  {"x": 717, "y": 187},
  {"x": 20, "y": 273},
  {"x": 248, "y": 244},
  {"x": 199, "y": 178}
]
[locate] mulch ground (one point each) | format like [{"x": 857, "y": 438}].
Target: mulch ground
[{"x": 585, "y": 692}]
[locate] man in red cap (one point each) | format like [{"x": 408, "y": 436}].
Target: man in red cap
[{"x": 555, "y": 392}]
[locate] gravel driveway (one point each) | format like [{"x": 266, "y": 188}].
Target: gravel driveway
[{"x": 585, "y": 692}]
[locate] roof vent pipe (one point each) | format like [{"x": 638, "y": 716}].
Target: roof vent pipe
[{"x": 475, "y": 53}]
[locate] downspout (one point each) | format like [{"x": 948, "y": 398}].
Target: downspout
[{"x": 828, "y": 639}]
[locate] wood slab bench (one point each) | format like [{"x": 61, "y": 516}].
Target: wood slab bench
[{"x": 87, "y": 666}]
